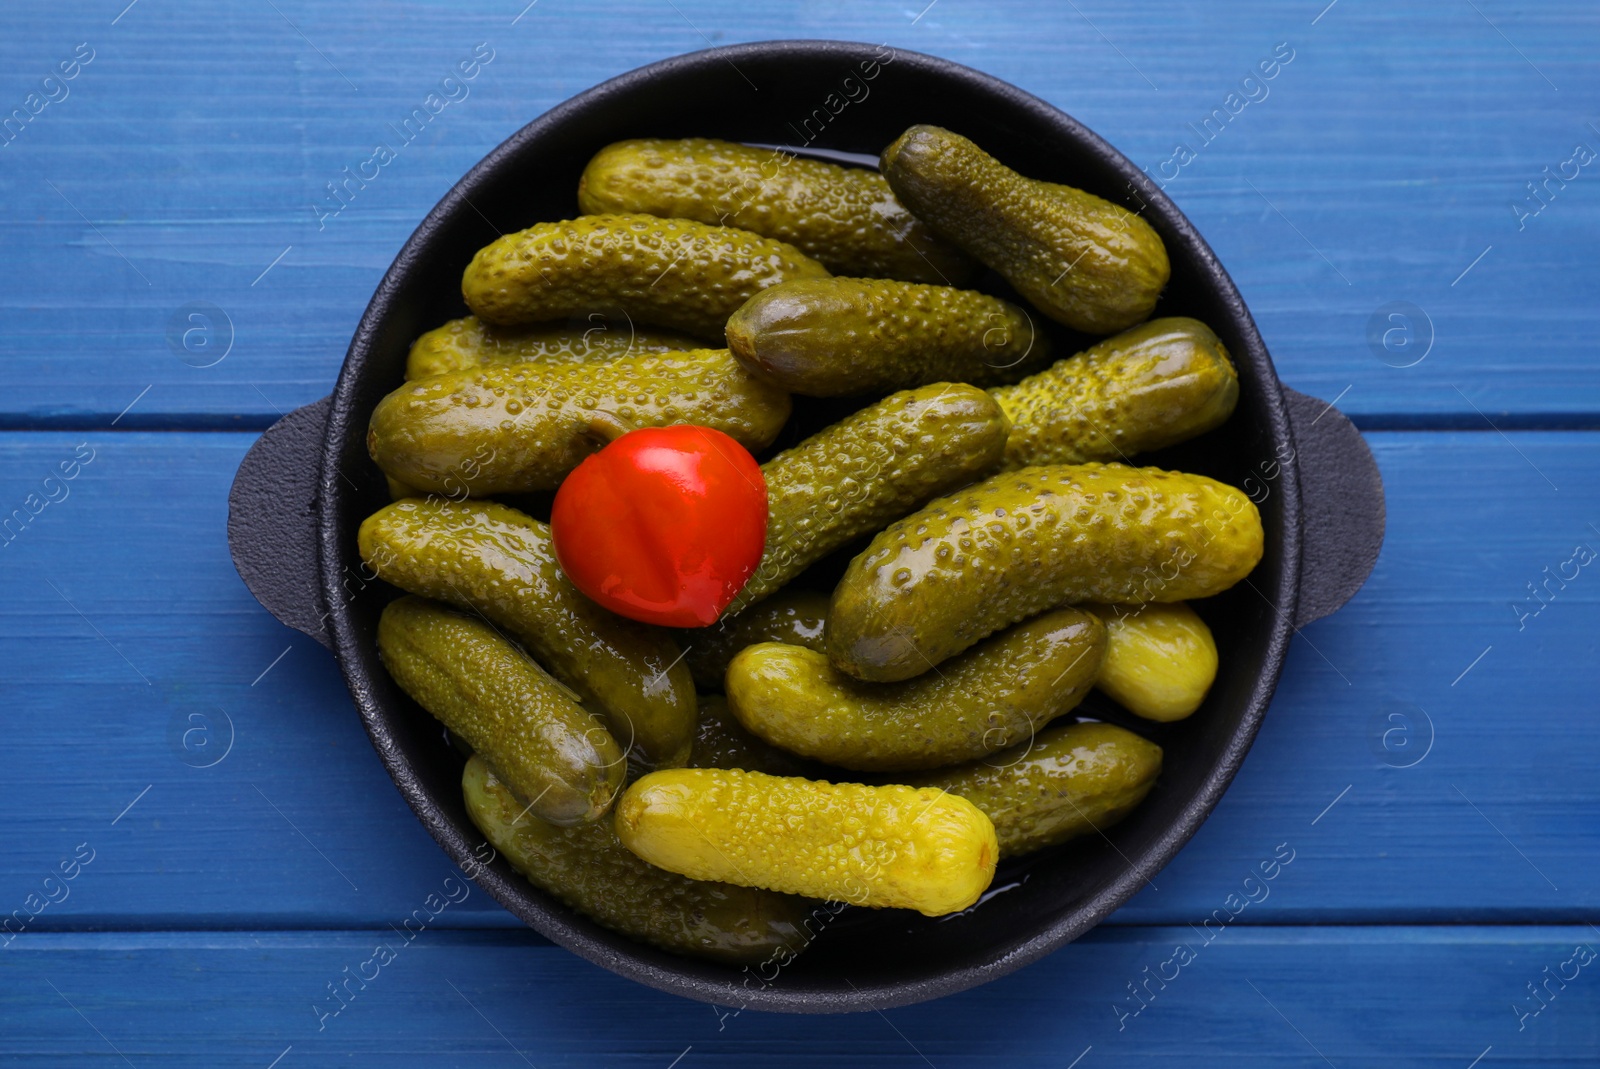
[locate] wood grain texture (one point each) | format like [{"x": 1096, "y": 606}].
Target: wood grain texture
[
  {"x": 124, "y": 627},
  {"x": 191, "y": 152},
  {"x": 233, "y": 843},
  {"x": 1406, "y": 996}
]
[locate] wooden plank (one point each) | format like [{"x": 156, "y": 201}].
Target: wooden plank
[
  {"x": 1407, "y": 996},
  {"x": 140, "y": 656},
  {"x": 123, "y": 626},
  {"x": 1427, "y": 743},
  {"x": 1378, "y": 166}
]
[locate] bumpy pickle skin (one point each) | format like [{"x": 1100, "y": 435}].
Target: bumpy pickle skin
[
  {"x": 720, "y": 741},
  {"x": 791, "y": 615},
  {"x": 830, "y": 337},
  {"x": 990, "y": 697},
  {"x": 845, "y": 217},
  {"x": 934, "y": 582},
  {"x": 469, "y": 342},
  {"x": 490, "y": 559},
  {"x": 1068, "y": 781},
  {"x": 881, "y": 847},
  {"x": 517, "y": 428},
  {"x": 589, "y": 869},
  {"x": 1158, "y": 384},
  {"x": 1160, "y": 659},
  {"x": 673, "y": 273},
  {"x": 1079, "y": 259},
  {"x": 871, "y": 467},
  {"x": 551, "y": 752}
]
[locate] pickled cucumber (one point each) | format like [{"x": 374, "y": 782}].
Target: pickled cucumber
[
  {"x": 398, "y": 489},
  {"x": 515, "y": 428},
  {"x": 846, "y": 217},
  {"x": 995, "y": 694},
  {"x": 470, "y": 342},
  {"x": 966, "y": 565},
  {"x": 792, "y": 616},
  {"x": 672, "y": 273},
  {"x": 590, "y": 870},
  {"x": 493, "y": 560},
  {"x": 1081, "y": 260},
  {"x": 720, "y": 741},
  {"x": 1160, "y": 659},
  {"x": 1147, "y": 388},
  {"x": 890, "y": 846},
  {"x": 1070, "y": 780},
  {"x": 853, "y": 477},
  {"x": 827, "y": 337},
  {"x": 553, "y": 754}
]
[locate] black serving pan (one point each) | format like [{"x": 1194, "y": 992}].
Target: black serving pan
[{"x": 304, "y": 488}]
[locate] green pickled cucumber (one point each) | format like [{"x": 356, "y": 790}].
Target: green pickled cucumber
[
  {"x": 470, "y": 342},
  {"x": 491, "y": 559},
  {"x": 549, "y": 750},
  {"x": 720, "y": 741},
  {"x": 938, "y": 580},
  {"x": 826, "y": 337},
  {"x": 993, "y": 695},
  {"x": 1156, "y": 385},
  {"x": 1070, "y": 780},
  {"x": 516, "y": 428},
  {"x": 589, "y": 869},
  {"x": 853, "y": 477},
  {"x": 875, "y": 846},
  {"x": 793, "y": 616},
  {"x": 672, "y": 273},
  {"x": 846, "y": 217},
  {"x": 1081, "y": 260}
]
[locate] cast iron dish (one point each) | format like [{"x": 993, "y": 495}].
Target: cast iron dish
[{"x": 307, "y": 484}]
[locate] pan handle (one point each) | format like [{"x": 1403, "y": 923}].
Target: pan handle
[
  {"x": 272, "y": 520},
  {"x": 272, "y": 513},
  {"x": 1341, "y": 506}
]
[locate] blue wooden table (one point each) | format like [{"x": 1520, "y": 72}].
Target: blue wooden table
[{"x": 199, "y": 843}]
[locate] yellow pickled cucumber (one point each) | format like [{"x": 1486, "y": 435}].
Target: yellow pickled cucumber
[
  {"x": 892, "y": 846},
  {"x": 589, "y": 869},
  {"x": 1081, "y": 260},
  {"x": 549, "y": 750},
  {"x": 1070, "y": 780},
  {"x": 793, "y": 616},
  {"x": 853, "y": 477},
  {"x": 934, "y": 582},
  {"x": 491, "y": 559},
  {"x": 470, "y": 342},
  {"x": 515, "y": 428},
  {"x": 673, "y": 273},
  {"x": 827, "y": 337},
  {"x": 1160, "y": 659},
  {"x": 846, "y": 217},
  {"x": 993, "y": 695},
  {"x": 398, "y": 489},
  {"x": 1156, "y": 385}
]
